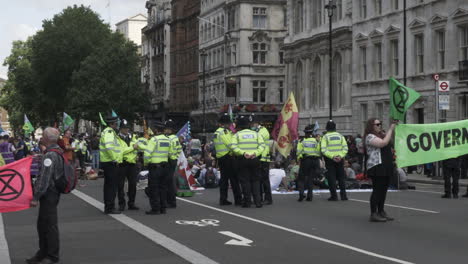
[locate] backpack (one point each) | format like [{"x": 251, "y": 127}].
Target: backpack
[
  {"x": 67, "y": 182},
  {"x": 210, "y": 178}
]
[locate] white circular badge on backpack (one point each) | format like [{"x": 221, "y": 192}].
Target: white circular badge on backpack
[{"x": 47, "y": 162}]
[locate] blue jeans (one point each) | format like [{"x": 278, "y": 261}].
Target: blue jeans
[{"x": 95, "y": 157}]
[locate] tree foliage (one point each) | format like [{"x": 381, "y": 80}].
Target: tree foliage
[{"x": 74, "y": 64}]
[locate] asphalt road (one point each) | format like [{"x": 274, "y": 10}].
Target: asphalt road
[{"x": 427, "y": 229}]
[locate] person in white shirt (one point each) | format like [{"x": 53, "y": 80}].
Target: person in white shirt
[{"x": 277, "y": 176}]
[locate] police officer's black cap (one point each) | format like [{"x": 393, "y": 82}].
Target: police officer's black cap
[
  {"x": 243, "y": 121},
  {"x": 225, "y": 119},
  {"x": 309, "y": 129},
  {"x": 111, "y": 119},
  {"x": 170, "y": 124},
  {"x": 124, "y": 124},
  {"x": 253, "y": 118},
  {"x": 331, "y": 126}
]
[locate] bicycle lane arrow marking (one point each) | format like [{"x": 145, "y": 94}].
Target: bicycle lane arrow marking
[{"x": 238, "y": 240}]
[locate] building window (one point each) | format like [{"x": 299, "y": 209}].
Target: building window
[
  {"x": 363, "y": 116},
  {"x": 441, "y": 49},
  {"x": 363, "y": 63},
  {"x": 259, "y": 17},
  {"x": 259, "y": 52},
  {"x": 419, "y": 52},
  {"x": 299, "y": 86},
  {"x": 337, "y": 82},
  {"x": 378, "y": 7},
  {"x": 378, "y": 60},
  {"x": 281, "y": 91},
  {"x": 281, "y": 57},
  {"x": 363, "y": 9},
  {"x": 299, "y": 18},
  {"x": 394, "y": 57},
  {"x": 379, "y": 111},
  {"x": 234, "y": 55},
  {"x": 317, "y": 93},
  {"x": 464, "y": 42},
  {"x": 317, "y": 19},
  {"x": 231, "y": 18},
  {"x": 339, "y": 10},
  {"x": 395, "y": 4},
  {"x": 259, "y": 91}
]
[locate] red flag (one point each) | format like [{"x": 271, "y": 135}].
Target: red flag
[
  {"x": 15, "y": 186},
  {"x": 285, "y": 130}
]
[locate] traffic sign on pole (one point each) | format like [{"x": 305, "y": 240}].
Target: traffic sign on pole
[
  {"x": 444, "y": 102},
  {"x": 436, "y": 77},
  {"x": 444, "y": 86}
]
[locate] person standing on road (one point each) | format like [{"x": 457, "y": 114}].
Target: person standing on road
[
  {"x": 451, "y": 168},
  {"x": 6, "y": 150},
  {"x": 47, "y": 196},
  {"x": 265, "y": 188},
  {"x": 248, "y": 145},
  {"x": 380, "y": 166},
  {"x": 223, "y": 147},
  {"x": 127, "y": 167},
  {"x": 334, "y": 148},
  {"x": 157, "y": 156},
  {"x": 110, "y": 155},
  {"x": 174, "y": 152},
  {"x": 308, "y": 153}
]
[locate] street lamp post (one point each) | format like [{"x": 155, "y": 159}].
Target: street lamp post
[
  {"x": 330, "y": 8},
  {"x": 203, "y": 55}
]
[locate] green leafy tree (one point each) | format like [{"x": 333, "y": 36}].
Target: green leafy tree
[
  {"x": 109, "y": 79},
  {"x": 58, "y": 50}
]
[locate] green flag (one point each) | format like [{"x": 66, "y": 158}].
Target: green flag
[
  {"x": 102, "y": 120},
  {"x": 401, "y": 98},
  {"x": 67, "y": 120},
  {"x": 27, "y": 127},
  {"x": 425, "y": 143}
]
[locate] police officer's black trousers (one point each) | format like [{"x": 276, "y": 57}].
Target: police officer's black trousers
[
  {"x": 380, "y": 182},
  {"x": 171, "y": 183},
  {"x": 157, "y": 186},
  {"x": 451, "y": 174},
  {"x": 309, "y": 170},
  {"x": 111, "y": 183},
  {"x": 127, "y": 171},
  {"x": 250, "y": 180},
  {"x": 335, "y": 171},
  {"x": 228, "y": 174},
  {"x": 265, "y": 186},
  {"x": 47, "y": 226}
]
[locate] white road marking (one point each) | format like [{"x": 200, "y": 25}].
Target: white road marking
[
  {"x": 398, "y": 206},
  {"x": 427, "y": 192},
  {"x": 4, "y": 252},
  {"x": 238, "y": 240},
  {"x": 164, "y": 241},
  {"x": 300, "y": 233}
]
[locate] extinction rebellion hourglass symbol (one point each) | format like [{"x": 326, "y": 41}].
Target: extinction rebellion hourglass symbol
[
  {"x": 400, "y": 97},
  {"x": 11, "y": 185}
]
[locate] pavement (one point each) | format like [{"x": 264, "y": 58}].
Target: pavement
[
  {"x": 421, "y": 178},
  {"x": 427, "y": 229}
]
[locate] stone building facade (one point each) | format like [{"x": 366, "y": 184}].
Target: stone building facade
[
  {"x": 437, "y": 43},
  {"x": 156, "y": 63},
  {"x": 307, "y": 62}
]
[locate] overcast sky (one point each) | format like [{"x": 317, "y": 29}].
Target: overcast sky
[{"x": 22, "y": 18}]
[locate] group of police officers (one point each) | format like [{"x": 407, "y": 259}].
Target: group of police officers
[{"x": 243, "y": 159}]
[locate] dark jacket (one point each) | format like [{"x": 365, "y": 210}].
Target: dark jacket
[
  {"x": 451, "y": 163},
  {"x": 52, "y": 168}
]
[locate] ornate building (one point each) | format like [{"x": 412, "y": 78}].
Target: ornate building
[
  {"x": 307, "y": 61},
  {"x": 156, "y": 63},
  {"x": 184, "y": 58}
]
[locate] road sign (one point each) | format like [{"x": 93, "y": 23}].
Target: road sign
[
  {"x": 444, "y": 102},
  {"x": 238, "y": 240},
  {"x": 444, "y": 86},
  {"x": 436, "y": 77}
]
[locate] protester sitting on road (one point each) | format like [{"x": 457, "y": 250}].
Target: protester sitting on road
[
  {"x": 379, "y": 166},
  {"x": 277, "y": 177},
  {"x": 293, "y": 174},
  {"x": 48, "y": 197},
  {"x": 350, "y": 173}
]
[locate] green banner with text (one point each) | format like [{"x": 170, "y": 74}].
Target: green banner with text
[{"x": 426, "y": 143}]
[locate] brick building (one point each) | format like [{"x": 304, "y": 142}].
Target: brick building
[{"x": 184, "y": 58}]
